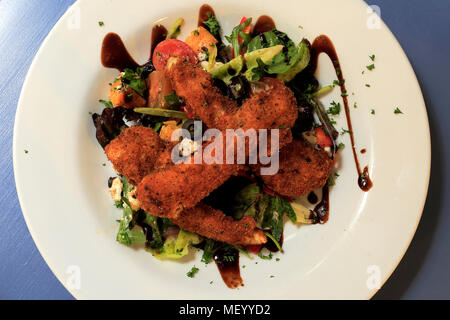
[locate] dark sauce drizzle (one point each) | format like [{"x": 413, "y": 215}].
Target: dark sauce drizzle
[
  {"x": 323, "y": 44},
  {"x": 204, "y": 12},
  {"x": 322, "y": 209},
  {"x": 312, "y": 198},
  {"x": 115, "y": 55},
  {"x": 159, "y": 33},
  {"x": 228, "y": 264},
  {"x": 263, "y": 24}
]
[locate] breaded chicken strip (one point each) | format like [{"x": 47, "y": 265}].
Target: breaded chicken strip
[
  {"x": 139, "y": 150},
  {"x": 134, "y": 152},
  {"x": 167, "y": 192},
  {"x": 302, "y": 169},
  {"x": 272, "y": 107},
  {"x": 213, "y": 224}
]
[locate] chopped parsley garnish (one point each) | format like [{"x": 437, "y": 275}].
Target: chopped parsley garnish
[
  {"x": 213, "y": 26},
  {"x": 367, "y": 85},
  {"x": 344, "y": 131},
  {"x": 370, "y": 67},
  {"x": 228, "y": 258},
  {"x": 193, "y": 271},
  {"x": 101, "y": 23},
  {"x": 277, "y": 259},
  {"x": 335, "y": 108},
  {"x": 372, "y": 57},
  {"x": 268, "y": 257},
  {"x": 108, "y": 104},
  {"x": 341, "y": 145},
  {"x": 372, "y": 111},
  {"x": 173, "y": 101},
  {"x": 332, "y": 179},
  {"x": 134, "y": 80},
  {"x": 26, "y": 151},
  {"x": 397, "y": 111},
  {"x": 196, "y": 33},
  {"x": 272, "y": 276},
  {"x": 355, "y": 105}
]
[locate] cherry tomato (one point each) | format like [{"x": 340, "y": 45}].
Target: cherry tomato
[
  {"x": 322, "y": 139},
  {"x": 172, "y": 48}
]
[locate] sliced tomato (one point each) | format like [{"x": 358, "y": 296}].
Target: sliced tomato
[
  {"x": 322, "y": 139},
  {"x": 253, "y": 248},
  {"x": 172, "y": 48},
  {"x": 246, "y": 30}
]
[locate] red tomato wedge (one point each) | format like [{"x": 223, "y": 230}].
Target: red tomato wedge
[
  {"x": 172, "y": 48},
  {"x": 322, "y": 139},
  {"x": 246, "y": 30}
]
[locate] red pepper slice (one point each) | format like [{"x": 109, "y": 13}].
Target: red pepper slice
[
  {"x": 253, "y": 248},
  {"x": 246, "y": 30},
  {"x": 322, "y": 139}
]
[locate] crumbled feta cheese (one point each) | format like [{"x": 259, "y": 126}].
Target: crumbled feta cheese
[
  {"x": 116, "y": 189},
  {"x": 201, "y": 56},
  {"x": 134, "y": 202},
  {"x": 187, "y": 147}
]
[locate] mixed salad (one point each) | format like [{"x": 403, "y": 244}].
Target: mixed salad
[{"x": 145, "y": 97}]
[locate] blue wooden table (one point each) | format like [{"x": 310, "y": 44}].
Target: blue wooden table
[{"x": 422, "y": 28}]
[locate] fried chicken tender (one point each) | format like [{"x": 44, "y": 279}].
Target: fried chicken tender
[
  {"x": 139, "y": 150},
  {"x": 214, "y": 224},
  {"x": 302, "y": 169},
  {"x": 134, "y": 152},
  {"x": 272, "y": 107},
  {"x": 168, "y": 191}
]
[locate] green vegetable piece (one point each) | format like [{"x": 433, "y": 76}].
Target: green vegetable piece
[
  {"x": 303, "y": 214},
  {"x": 208, "y": 251},
  {"x": 193, "y": 271},
  {"x": 265, "y": 56},
  {"x": 162, "y": 113},
  {"x": 174, "y": 30},
  {"x": 213, "y": 26},
  {"x": 134, "y": 80},
  {"x": 173, "y": 101},
  {"x": 176, "y": 248},
  {"x": 231, "y": 69},
  {"x": 228, "y": 71},
  {"x": 237, "y": 32},
  {"x": 304, "y": 56},
  {"x": 126, "y": 235}
]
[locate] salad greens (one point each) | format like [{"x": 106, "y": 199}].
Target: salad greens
[
  {"x": 175, "y": 29},
  {"x": 233, "y": 68},
  {"x": 239, "y": 34},
  {"x": 213, "y": 26},
  {"x": 134, "y": 80},
  {"x": 288, "y": 63},
  {"x": 175, "y": 248}
]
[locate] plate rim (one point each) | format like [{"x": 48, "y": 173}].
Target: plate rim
[{"x": 78, "y": 294}]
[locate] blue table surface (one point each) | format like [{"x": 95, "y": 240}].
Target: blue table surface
[{"x": 422, "y": 28}]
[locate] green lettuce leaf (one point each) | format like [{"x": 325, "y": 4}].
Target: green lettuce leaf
[{"x": 176, "y": 248}]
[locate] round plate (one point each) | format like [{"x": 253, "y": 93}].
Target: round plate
[{"x": 61, "y": 181}]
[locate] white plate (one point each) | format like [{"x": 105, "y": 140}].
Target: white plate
[{"x": 62, "y": 184}]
